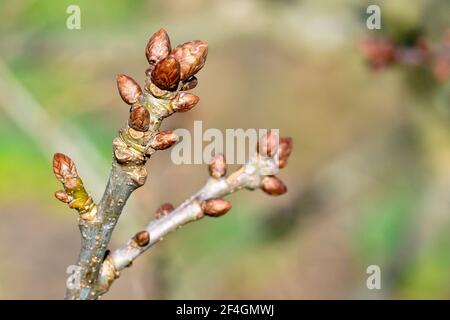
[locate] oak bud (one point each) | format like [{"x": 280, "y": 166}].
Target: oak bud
[
  {"x": 158, "y": 47},
  {"x": 273, "y": 186},
  {"x": 216, "y": 207},
  {"x": 129, "y": 90},
  {"x": 166, "y": 74},
  {"x": 142, "y": 238},
  {"x": 184, "y": 102},
  {"x": 218, "y": 166},
  {"x": 191, "y": 56},
  {"x": 139, "y": 118},
  {"x": 164, "y": 140}
]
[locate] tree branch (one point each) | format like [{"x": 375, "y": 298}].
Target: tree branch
[
  {"x": 257, "y": 173},
  {"x": 170, "y": 73}
]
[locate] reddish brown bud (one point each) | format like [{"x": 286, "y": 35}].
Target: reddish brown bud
[
  {"x": 379, "y": 52},
  {"x": 273, "y": 186},
  {"x": 139, "y": 118},
  {"x": 142, "y": 238},
  {"x": 441, "y": 67},
  {"x": 191, "y": 56},
  {"x": 284, "y": 151},
  {"x": 129, "y": 90},
  {"x": 164, "y": 140},
  {"x": 218, "y": 166},
  {"x": 63, "y": 167},
  {"x": 184, "y": 102},
  {"x": 62, "y": 196},
  {"x": 158, "y": 47},
  {"x": 166, "y": 74},
  {"x": 216, "y": 207},
  {"x": 268, "y": 144},
  {"x": 164, "y": 210},
  {"x": 189, "y": 84}
]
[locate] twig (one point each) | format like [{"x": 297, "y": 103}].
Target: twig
[{"x": 170, "y": 73}]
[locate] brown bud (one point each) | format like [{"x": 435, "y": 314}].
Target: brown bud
[
  {"x": 216, "y": 207},
  {"x": 184, "y": 102},
  {"x": 129, "y": 90},
  {"x": 62, "y": 196},
  {"x": 378, "y": 52},
  {"x": 164, "y": 140},
  {"x": 218, "y": 166},
  {"x": 63, "y": 167},
  {"x": 164, "y": 210},
  {"x": 441, "y": 66},
  {"x": 158, "y": 47},
  {"x": 273, "y": 186},
  {"x": 142, "y": 238},
  {"x": 189, "y": 84},
  {"x": 166, "y": 74},
  {"x": 191, "y": 56},
  {"x": 139, "y": 118},
  {"x": 284, "y": 151},
  {"x": 268, "y": 144}
]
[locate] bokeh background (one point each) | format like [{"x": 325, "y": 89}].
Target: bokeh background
[{"x": 368, "y": 180}]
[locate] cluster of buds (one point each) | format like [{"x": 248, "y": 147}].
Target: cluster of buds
[
  {"x": 270, "y": 147},
  {"x": 74, "y": 193},
  {"x": 278, "y": 148},
  {"x": 380, "y": 52},
  {"x": 171, "y": 72}
]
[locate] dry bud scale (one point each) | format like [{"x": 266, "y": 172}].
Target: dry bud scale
[{"x": 170, "y": 73}]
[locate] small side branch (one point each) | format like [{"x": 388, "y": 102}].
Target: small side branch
[{"x": 257, "y": 173}]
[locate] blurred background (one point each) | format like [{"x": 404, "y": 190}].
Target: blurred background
[{"x": 368, "y": 180}]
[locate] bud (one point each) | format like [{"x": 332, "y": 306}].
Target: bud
[
  {"x": 218, "y": 166},
  {"x": 268, "y": 144},
  {"x": 164, "y": 140},
  {"x": 273, "y": 186},
  {"x": 158, "y": 47},
  {"x": 63, "y": 167},
  {"x": 441, "y": 67},
  {"x": 284, "y": 151},
  {"x": 164, "y": 210},
  {"x": 62, "y": 196},
  {"x": 216, "y": 207},
  {"x": 379, "y": 52},
  {"x": 166, "y": 74},
  {"x": 129, "y": 90},
  {"x": 189, "y": 84},
  {"x": 142, "y": 238},
  {"x": 139, "y": 118},
  {"x": 191, "y": 56},
  {"x": 184, "y": 102}
]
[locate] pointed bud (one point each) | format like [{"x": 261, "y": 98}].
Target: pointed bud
[
  {"x": 62, "y": 196},
  {"x": 166, "y": 74},
  {"x": 129, "y": 90},
  {"x": 218, "y": 166},
  {"x": 164, "y": 210},
  {"x": 142, "y": 238},
  {"x": 139, "y": 118},
  {"x": 284, "y": 151},
  {"x": 273, "y": 186},
  {"x": 164, "y": 140},
  {"x": 158, "y": 47},
  {"x": 63, "y": 167},
  {"x": 184, "y": 102},
  {"x": 189, "y": 84},
  {"x": 268, "y": 144},
  {"x": 191, "y": 56},
  {"x": 216, "y": 207}
]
